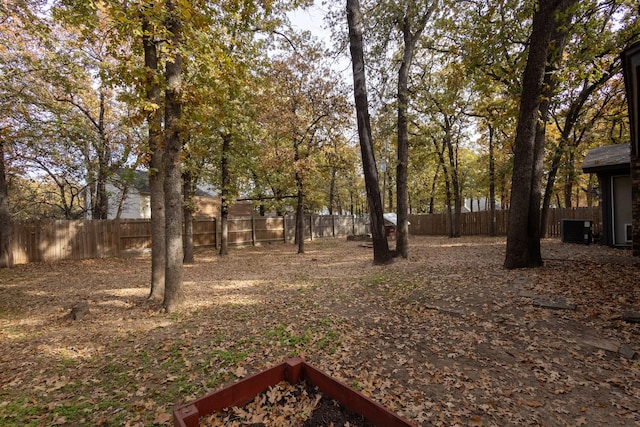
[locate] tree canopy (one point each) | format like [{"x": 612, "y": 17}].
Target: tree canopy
[{"x": 266, "y": 115}]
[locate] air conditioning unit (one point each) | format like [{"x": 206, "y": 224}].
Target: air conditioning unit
[{"x": 576, "y": 231}]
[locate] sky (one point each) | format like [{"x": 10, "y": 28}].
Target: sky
[{"x": 312, "y": 19}]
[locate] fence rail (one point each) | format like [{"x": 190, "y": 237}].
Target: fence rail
[{"x": 53, "y": 240}]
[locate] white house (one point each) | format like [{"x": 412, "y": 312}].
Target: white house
[
  {"x": 136, "y": 203},
  {"x": 128, "y": 190}
]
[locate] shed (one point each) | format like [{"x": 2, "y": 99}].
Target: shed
[
  {"x": 391, "y": 223},
  {"x": 612, "y": 166}
]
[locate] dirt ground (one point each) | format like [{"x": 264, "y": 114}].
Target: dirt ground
[{"x": 447, "y": 337}]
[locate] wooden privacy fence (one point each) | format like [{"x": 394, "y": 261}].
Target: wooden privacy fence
[
  {"x": 477, "y": 223},
  {"x": 52, "y": 240}
]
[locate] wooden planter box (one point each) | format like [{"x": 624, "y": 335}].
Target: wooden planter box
[{"x": 294, "y": 371}]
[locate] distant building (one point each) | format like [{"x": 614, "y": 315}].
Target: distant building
[
  {"x": 136, "y": 203},
  {"x": 477, "y": 205}
]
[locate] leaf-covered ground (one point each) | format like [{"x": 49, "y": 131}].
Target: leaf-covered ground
[{"x": 447, "y": 337}]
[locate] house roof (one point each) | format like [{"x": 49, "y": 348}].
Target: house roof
[
  {"x": 140, "y": 181},
  {"x": 611, "y": 158}
]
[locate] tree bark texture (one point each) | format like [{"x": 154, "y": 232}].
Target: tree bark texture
[
  {"x": 6, "y": 254},
  {"x": 225, "y": 181},
  {"x": 432, "y": 194},
  {"x": 410, "y": 38},
  {"x": 402, "y": 231},
  {"x": 173, "y": 295},
  {"x": 381, "y": 253},
  {"x": 492, "y": 185},
  {"x": 101, "y": 205},
  {"x": 455, "y": 185},
  {"x": 188, "y": 190},
  {"x": 156, "y": 167},
  {"x": 447, "y": 195},
  {"x": 300, "y": 201},
  {"x": 332, "y": 190},
  {"x": 522, "y": 232}
]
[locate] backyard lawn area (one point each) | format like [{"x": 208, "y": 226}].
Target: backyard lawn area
[{"x": 447, "y": 337}]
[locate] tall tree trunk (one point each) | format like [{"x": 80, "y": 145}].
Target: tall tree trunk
[
  {"x": 569, "y": 179},
  {"x": 101, "y": 206},
  {"x": 402, "y": 229},
  {"x": 410, "y": 39},
  {"x": 332, "y": 190},
  {"x": 534, "y": 250},
  {"x": 188, "y": 191},
  {"x": 381, "y": 253},
  {"x": 6, "y": 254},
  {"x": 432, "y": 195},
  {"x": 447, "y": 184},
  {"x": 351, "y": 212},
  {"x": 521, "y": 232},
  {"x": 225, "y": 181},
  {"x": 554, "y": 57},
  {"x": 492, "y": 185},
  {"x": 455, "y": 186},
  {"x": 156, "y": 165},
  {"x": 300, "y": 203},
  {"x": 173, "y": 295}
]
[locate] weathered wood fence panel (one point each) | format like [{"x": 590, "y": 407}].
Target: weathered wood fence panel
[
  {"x": 268, "y": 229},
  {"x": 322, "y": 226},
  {"x": 477, "y": 223},
  {"x": 55, "y": 240},
  {"x": 34, "y": 241},
  {"x": 135, "y": 234},
  {"x": 204, "y": 232}
]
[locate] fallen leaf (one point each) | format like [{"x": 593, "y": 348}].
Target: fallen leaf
[{"x": 162, "y": 418}]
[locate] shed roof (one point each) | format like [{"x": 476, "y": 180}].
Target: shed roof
[
  {"x": 390, "y": 218},
  {"x": 611, "y": 158}
]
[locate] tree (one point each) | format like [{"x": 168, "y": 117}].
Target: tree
[
  {"x": 381, "y": 253},
  {"x": 396, "y": 29},
  {"x": 307, "y": 113},
  {"x": 590, "y": 66},
  {"x": 152, "y": 90},
  {"x": 6, "y": 255},
  {"x": 523, "y": 235},
  {"x": 225, "y": 183},
  {"x": 413, "y": 23},
  {"x": 173, "y": 293}
]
